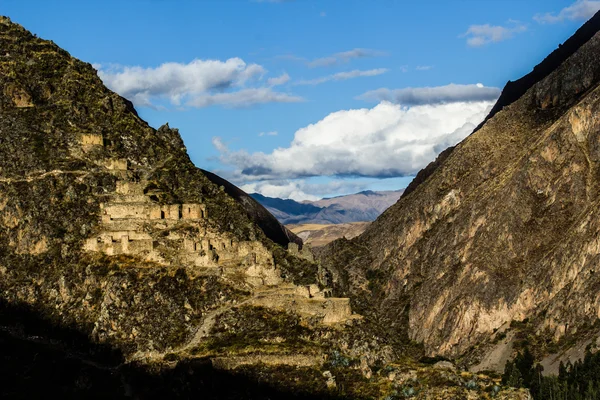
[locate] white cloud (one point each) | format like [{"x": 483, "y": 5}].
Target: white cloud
[
  {"x": 479, "y": 35},
  {"x": 404, "y": 68},
  {"x": 199, "y": 83},
  {"x": 302, "y": 189},
  {"x": 340, "y": 76},
  {"x": 323, "y": 14},
  {"x": 387, "y": 140},
  {"x": 218, "y": 143},
  {"x": 434, "y": 95},
  {"x": 580, "y": 10},
  {"x": 283, "y": 190},
  {"x": 243, "y": 98},
  {"x": 279, "y": 80},
  {"x": 271, "y": 133},
  {"x": 344, "y": 57},
  {"x": 424, "y": 67}
]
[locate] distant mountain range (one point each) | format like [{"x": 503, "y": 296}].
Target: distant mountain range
[
  {"x": 363, "y": 206},
  {"x": 317, "y": 235}
]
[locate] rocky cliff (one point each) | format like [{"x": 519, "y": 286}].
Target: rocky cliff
[{"x": 498, "y": 240}]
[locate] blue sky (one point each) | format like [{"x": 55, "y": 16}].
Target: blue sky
[{"x": 306, "y": 99}]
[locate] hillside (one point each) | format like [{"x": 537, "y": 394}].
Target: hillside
[
  {"x": 495, "y": 247},
  {"x": 358, "y": 207}
]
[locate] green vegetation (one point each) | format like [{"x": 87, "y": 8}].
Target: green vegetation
[
  {"x": 578, "y": 381},
  {"x": 247, "y": 328}
]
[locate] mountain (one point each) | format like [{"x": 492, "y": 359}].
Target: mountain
[
  {"x": 127, "y": 272},
  {"x": 255, "y": 211},
  {"x": 359, "y": 207},
  {"x": 110, "y": 236},
  {"x": 495, "y": 246}
]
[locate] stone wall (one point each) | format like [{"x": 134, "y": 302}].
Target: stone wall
[
  {"x": 91, "y": 139},
  {"x": 116, "y": 164},
  {"x": 194, "y": 211},
  {"x": 131, "y": 215},
  {"x": 330, "y": 311},
  {"x": 120, "y": 243},
  {"x": 304, "y": 252},
  {"x": 151, "y": 211}
]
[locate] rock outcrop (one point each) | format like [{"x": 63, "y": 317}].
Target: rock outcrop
[{"x": 502, "y": 229}]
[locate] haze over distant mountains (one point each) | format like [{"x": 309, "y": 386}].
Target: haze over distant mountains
[{"x": 358, "y": 207}]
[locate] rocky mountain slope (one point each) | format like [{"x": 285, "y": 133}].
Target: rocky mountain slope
[
  {"x": 496, "y": 243},
  {"x": 125, "y": 271},
  {"x": 358, "y": 207}
]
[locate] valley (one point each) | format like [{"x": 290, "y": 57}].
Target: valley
[{"x": 126, "y": 271}]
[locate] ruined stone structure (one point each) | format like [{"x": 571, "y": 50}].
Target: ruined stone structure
[
  {"x": 125, "y": 242},
  {"x": 124, "y": 217},
  {"x": 329, "y": 310},
  {"x": 304, "y": 252},
  {"x": 116, "y": 164},
  {"x": 132, "y": 221},
  {"x": 91, "y": 139},
  {"x": 131, "y": 224}
]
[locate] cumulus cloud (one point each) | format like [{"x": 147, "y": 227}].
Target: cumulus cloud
[
  {"x": 388, "y": 140},
  {"x": 199, "y": 83},
  {"x": 282, "y": 189},
  {"x": 340, "y": 76},
  {"x": 434, "y": 95},
  {"x": 271, "y": 133},
  {"x": 580, "y": 10},
  {"x": 344, "y": 57},
  {"x": 480, "y": 35}
]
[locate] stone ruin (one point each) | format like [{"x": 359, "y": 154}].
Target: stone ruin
[
  {"x": 125, "y": 242},
  {"x": 91, "y": 139},
  {"x": 304, "y": 251},
  {"x": 87, "y": 142},
  {"x": 131, "y": 223},
  {"x": 131, "y": 217},
  {"x": 328, "y": 310},
  {"x": 131, "y": 204}
]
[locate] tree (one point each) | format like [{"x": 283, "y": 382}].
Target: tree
[
  {"x": 512, "y": 376},
  {"x": 524, "y": 362}
]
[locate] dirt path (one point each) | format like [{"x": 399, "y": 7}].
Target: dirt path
[
  {"x": 208, "y": 323},
  {"x": 31, "y": 178}
]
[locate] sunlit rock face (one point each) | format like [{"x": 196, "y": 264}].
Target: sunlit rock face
[{"x": 502, "y": 228}]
